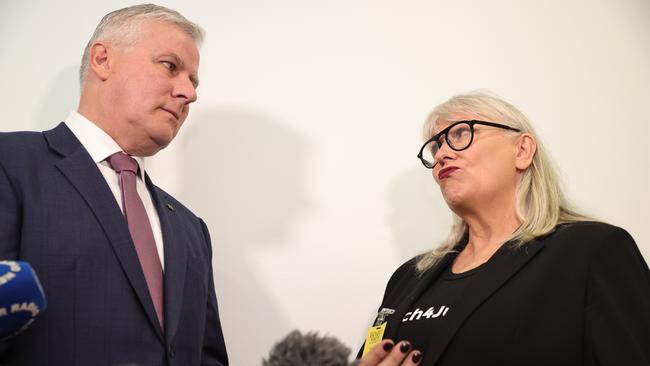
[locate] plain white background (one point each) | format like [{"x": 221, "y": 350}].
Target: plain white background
[{"x": 300, "y": 153}]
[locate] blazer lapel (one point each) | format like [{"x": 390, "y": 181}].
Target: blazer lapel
[
  {"x": 175, "y": 258},
  {"x": 80, "y": 170},
  {"x": 505, "y": 263},
  {"x": 422, "y": 285}
]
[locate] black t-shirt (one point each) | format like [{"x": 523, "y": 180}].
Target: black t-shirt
[{"x": 421, "y": 324}]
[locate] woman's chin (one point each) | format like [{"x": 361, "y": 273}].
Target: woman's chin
[{"x": 454, "y": 196}]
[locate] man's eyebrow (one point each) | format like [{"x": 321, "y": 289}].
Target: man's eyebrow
[{"x": 177, "y": 59}]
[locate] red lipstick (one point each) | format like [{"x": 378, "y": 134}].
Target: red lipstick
[{"x": 445, "y": 172}]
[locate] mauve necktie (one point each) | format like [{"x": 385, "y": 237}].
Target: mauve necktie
[{"x": 140, "y": 229}]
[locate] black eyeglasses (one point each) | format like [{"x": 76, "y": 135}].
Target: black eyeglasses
[{"x": 459, "y": 136}]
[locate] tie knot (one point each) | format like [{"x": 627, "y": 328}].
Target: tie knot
[{"x": 120, "y": 162}]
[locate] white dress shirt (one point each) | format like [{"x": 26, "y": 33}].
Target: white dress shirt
[{"x": 100, "y": 146}]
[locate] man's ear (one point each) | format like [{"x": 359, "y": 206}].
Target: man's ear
[
  {"x": 100, "y": 57},
  {"x": 526, "y": 148}
]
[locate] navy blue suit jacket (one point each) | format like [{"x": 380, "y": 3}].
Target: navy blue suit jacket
[{"x": 58, "y": 213}]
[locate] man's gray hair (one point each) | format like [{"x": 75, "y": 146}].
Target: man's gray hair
[{"x": 122, "y": 27}]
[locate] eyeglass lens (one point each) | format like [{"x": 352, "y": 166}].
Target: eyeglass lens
[{"x": 459, "y": 137}]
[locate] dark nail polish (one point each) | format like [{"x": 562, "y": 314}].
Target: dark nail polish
[
  {"x": 388, "y": 346},
  {"x": 417, "y": 357},
  {"x": 405, "y": 347}
]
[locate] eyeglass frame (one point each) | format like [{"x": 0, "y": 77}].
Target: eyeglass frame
[{"x": 471, "y": 124}]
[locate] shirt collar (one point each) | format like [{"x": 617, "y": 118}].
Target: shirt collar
[{"x": 95, "y": 140}]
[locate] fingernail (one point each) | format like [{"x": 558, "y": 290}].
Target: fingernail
[
  {"x": 405, "y": 347},
  {"x": 417, "y": 357},
  {"x": 388, "y": 346}
]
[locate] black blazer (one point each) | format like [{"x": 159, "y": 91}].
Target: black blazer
[
  {"x": 58, "y": 213},
  {"x": 579, "y": 296}
]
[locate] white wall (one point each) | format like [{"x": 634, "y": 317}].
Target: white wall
[{"x": 300, "y": 153}]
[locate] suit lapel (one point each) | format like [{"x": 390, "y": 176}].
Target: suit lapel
[
  {"x": 175, "y": 258},
  {"x": 505, "y": 263},
  {"x": 81, "y": 171}
]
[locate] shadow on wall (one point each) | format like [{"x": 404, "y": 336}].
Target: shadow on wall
[
  {"x": 61, "y": 97},
  {"x": 419, "y": 218},
  {"x": 249, "y": 192}
]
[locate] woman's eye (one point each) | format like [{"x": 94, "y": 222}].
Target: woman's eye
[{"x": 460, "y": 133}]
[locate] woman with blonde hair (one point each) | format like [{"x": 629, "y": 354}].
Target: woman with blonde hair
[{"x": 522, "y": 279}]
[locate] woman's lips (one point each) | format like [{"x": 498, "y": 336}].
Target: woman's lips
[{"x": 445, "y": 172}]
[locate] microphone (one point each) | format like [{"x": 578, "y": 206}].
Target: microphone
[
  {"x": 310, "y": 349},
  {"x": 21, "y": 297}
]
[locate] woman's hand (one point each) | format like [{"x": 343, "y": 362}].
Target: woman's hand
[{"x": 387, "y": 353}]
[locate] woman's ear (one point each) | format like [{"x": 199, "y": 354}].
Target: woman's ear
[{"x": 526, "y": 148}]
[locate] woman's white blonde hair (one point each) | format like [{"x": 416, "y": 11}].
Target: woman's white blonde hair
[{"x": 540, "y": 203}]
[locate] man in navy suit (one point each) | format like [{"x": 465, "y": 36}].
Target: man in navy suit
[{"x": 126, "y": 268}]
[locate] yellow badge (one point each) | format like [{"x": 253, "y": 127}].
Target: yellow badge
[{"x": 375, "y": 335}]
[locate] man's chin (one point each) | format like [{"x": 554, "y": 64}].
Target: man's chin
[
  {"x": 149, "y": 148},
  {"x": 161, "y": 141},
  {"x": 157, "y": 146}
]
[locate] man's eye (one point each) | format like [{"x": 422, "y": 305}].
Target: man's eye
[{"x": 169, "y": 65}]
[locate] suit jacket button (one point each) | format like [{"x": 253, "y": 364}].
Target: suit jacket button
[{"x": 171, "y": 353}]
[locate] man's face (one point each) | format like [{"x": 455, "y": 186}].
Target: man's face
[{"x": 152, "y": 84}]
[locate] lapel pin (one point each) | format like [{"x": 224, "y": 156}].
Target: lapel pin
[{"x": 170, "y": 207}]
